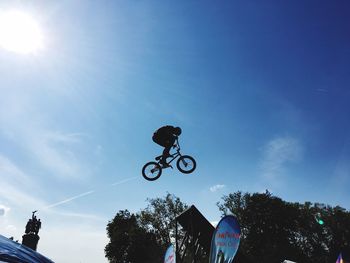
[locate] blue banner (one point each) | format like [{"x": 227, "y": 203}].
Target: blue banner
[
  {"x": 170, "y": 255},
  {"x": 225, "y": 240}
]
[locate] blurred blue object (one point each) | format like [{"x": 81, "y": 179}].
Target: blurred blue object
[{"x": 13, "y": 252}]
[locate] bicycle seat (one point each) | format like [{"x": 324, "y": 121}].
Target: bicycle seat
[{"x": 158, "y": 157}]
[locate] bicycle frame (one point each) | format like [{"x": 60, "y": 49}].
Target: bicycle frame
[
  {"x": 175, "y": 155},
  {"x": 185, "y": 164}
]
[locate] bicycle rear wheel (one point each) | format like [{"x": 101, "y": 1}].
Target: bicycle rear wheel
[
  {"x": 186, "y": 164},
  {"x": 151, "y": 171}
]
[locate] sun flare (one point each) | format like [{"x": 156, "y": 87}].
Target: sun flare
[{"x": 20, "y": 33}]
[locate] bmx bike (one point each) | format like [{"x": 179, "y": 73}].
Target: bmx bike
[{"x": 186, "y": 164}]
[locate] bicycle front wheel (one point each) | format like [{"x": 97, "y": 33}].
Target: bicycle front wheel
[
  {"x": 186, "y": 164},
  {"x": 151, "y": 171}
]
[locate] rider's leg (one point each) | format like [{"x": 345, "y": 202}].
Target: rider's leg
[
  {"x": 166, "y": 152},
  {"x": 165, "y": 155}
]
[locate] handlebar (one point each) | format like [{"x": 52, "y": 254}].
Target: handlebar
[{"x": 177, "y": 144}]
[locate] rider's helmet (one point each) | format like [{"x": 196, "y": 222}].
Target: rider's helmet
[{"x": 177, "y": 131}]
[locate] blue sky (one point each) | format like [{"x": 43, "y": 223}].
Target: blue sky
[{"x": 260, "y": 90}]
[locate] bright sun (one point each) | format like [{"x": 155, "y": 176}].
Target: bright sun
[{"x": 20, "y": 33}]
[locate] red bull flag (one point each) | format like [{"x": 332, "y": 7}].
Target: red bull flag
[
  {"x": 225, "y": 241},
  {"x": 340, "y": 259}
]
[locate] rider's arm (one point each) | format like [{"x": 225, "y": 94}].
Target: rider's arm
[{"x": 176, "y": 141}]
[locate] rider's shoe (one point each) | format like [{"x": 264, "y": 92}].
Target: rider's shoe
[{"x": 164, "y": 164}]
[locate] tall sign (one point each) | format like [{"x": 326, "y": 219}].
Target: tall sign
[
  {"x": 225, "y": 240},
  {"x": 170, "y": 255}
]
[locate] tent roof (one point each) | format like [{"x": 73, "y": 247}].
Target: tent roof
[{"x": 11, "y": 251}]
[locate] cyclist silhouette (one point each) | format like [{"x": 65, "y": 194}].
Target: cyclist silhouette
[{"x": 166, "y": 136}]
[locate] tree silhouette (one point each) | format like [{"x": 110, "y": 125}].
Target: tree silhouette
[
  {"x": 273, "y": 229},
  {"x": 130, "y": 242},
  {"x": 160, "y": 216},
  {"x": 145, "y": 236}
]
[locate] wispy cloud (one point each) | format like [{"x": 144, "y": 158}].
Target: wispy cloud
[
  {"x": 124, "y": 181},
  {"x": 69, "y": 199},
  {"x": 18, "y": 199},
  {"x": 28, "y": 129},
  {"x": 79, "y": 216},
  {"x": 277, "y": 153},
  {"x": 216, "y": 187},
  {"x": 15, "y": 186},
  {"x": 10, "y": 172},
  {"x": 86, "y": 193},
  {"x": 322, "y": 90},
  {"x": 55, "y": 152}
]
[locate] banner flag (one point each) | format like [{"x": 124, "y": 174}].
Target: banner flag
[
  {"x": 225, "y": 240},
  {"x": 170, "y": 255}
]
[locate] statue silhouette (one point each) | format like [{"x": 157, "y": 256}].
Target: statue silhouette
[{"x": 31, "y": 237}]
